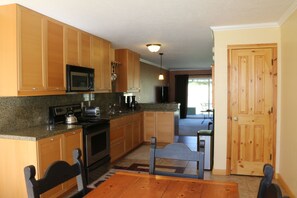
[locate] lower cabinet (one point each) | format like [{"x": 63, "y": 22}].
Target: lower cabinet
[
  {"x": 41, "y": 153},
  {"x": 160, "y": 125},
  {"x": 59, "y": 147},
  {"x": 125, "y": 135}
]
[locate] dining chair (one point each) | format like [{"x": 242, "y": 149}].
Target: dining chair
[
  {"x": 268, "y": 171},
  {"x": 273, "y": 191},
  {"x": 175, "y": 151},
  {"x": 57, "y": 173}
]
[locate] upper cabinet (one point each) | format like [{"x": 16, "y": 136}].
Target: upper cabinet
[
  {"x": 78, "y": 47},
  {"x": 128, "y": 71},
  {"x": 34, "y": 50},
  {"x": 54, "y": 32},
  {"x": 31, "y": 75},
  {"x": 100, "y": 59}
]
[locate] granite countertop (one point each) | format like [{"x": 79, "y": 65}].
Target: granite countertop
[
  {"x": 45, "y": 131},
  {"x": 38, "y": 132}
]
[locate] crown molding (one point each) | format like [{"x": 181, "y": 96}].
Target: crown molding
[
  {"x": 288, "y": 13},
  {"x": 153, "y": 64},
  {"x": 244, "y": 27}
]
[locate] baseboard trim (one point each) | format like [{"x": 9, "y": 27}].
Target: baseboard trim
[
  {"x": 219, "y": 172},
  {"x": 284, "y": 185}
]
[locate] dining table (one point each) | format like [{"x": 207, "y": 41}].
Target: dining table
[{"x": 133, "y": 184}]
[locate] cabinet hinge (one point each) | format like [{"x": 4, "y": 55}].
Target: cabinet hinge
[
  {"x": 271, "y": 110},
  {"x": 270, "y": 156}
]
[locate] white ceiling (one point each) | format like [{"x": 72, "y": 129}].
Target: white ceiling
[{"x": 181, "y": 26}]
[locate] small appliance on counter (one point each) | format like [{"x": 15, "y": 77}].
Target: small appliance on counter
[
  {"x": 91, "y": 111},
  {"x": 131, "y": 103}
]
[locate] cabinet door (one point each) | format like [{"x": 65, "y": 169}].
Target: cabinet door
[
  {"x": 55, "y": 51},
  {"x": 72, "y": 140},
  {"x": 31, "y": 75},
  {"x": 106, "y": 66},
  {"x": 149, "y": 125},
  {"x": 72, "y": 46},
  {"x": 49, "y": 151},
  {"x": 137, "y": 130},
  {"x": 85, "y": 49},
  {"x": 117, "y": 135},
  {"x": 130, "y": 70},
  {"x": 129, "y": 136},
  {"x": 136, "y": 77},
  {"x": 165, "y": 127},
  {"x": 100, "y": 61}
]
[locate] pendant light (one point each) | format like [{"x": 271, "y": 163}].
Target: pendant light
[{"x": 161, "y": 76}]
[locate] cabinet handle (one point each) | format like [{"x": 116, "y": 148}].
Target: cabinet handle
[
  {"x": 57, "y": 88},
  {"x": 73, "y": 132},
  {"x": 34, "y": 88},
  {"x": 52, "y": 139}
]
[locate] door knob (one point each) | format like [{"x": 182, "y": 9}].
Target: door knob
[{"x": 235, "y": 118}]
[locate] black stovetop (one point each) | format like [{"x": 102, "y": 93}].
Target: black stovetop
[{"x": 57, "y": 115}]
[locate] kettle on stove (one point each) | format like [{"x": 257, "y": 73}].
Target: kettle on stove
[{"x": 70, "y": 118}]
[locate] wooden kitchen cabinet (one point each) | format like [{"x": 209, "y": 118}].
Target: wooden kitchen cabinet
[
  {"x": 160, "y": 125},
  {"x": 165, "y": 126},
  {"x": 54, "y": 60},
  {"x": 78, "y": 47},
  {"x": 49, "y": 150},
  {"x": 72, "y": 46},
  {"x": 25, "y": 67},
  {"x": 117, "y": 138},
  {"x": 100, "y": 60},
  {"x": 125, "y": 135},
  {"x": 149, "y": 125},
  {"x": 59, "y": 147},
  {"x": 71, "y": 141},
  {"x": 20, "y": 153},
  {"x": 137, "y": 129},
  {"x": 128, "y": 72},
  {"x": 31, "y": 68}
]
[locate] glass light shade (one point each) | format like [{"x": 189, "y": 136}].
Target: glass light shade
[
  {"x": 161, "y": 77},
  {"x": 153, "y": 47}
]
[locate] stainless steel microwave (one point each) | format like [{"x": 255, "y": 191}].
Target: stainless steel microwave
[{"x": 79, "y": 79}]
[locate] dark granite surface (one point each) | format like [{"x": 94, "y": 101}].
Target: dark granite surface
[
  {"x": 39, "y": 132},
  {"x": 26, "y": 118}
]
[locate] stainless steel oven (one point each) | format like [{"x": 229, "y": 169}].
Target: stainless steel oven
[
  {"x": 96, "y": 139},
  {"x": 97, "y": 149}
]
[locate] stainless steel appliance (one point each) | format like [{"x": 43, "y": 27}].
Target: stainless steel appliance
[
  {"x": 96, "y": 138},
  {"x": 79, "y": 79}
]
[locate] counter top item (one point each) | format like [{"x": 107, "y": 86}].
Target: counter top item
[
  {"x": 39, "y": 132},
  {"x": 124, "y": 184}
]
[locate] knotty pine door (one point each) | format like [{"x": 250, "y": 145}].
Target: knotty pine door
[{"x": 251, "y": 109}]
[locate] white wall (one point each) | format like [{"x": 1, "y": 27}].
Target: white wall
[
  {"x": 288, "y": 146},
  {"x": 221, "y": 41}
]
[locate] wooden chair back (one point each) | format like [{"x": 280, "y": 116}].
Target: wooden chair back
[
  {"x": 57, "y": 173},
  {"x": 175, "y": 151},
  {"x": 265, "y": 182}
]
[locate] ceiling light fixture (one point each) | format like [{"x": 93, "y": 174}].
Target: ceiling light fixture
[
  {"x": 161, "y": 76},
  {"x": 153, "y": 47}
]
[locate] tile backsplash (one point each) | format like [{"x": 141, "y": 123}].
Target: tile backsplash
[{"x": 23, "y": 112}]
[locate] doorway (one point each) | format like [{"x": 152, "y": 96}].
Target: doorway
[
  {"x": 251, "y": 108},
  {"x": 199, "y": 106}
]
